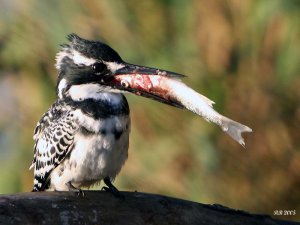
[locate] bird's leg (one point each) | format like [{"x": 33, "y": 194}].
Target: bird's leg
[
  {"x": 72, "y": 188},
  {"x": 111, "y": 188}
]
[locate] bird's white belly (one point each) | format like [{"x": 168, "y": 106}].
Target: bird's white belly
[
  {"x": 94, "y": 157},
  {"x": 97, "y": 157}
]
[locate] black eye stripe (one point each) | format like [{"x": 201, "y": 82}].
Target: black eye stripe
[{"x": 99, "y": 67}]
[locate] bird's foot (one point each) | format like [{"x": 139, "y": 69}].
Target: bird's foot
[
  {"x": 80, "y": 193},
  {"x": 111, "y": 188}
]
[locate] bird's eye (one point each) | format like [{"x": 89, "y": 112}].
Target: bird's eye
[{"x": 98, "y": 67}]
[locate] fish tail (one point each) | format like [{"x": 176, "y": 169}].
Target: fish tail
[{"x": 234, "y": 129}]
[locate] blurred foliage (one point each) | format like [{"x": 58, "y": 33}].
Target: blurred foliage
[{"x": 242, "y": 54}]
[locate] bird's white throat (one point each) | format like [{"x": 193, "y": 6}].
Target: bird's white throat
[{"x": 94, "y": 91}]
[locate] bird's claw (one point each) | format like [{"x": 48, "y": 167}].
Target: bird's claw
[
  {"x": 80, "y": 193},
  {"x": 111, "y": 188}
]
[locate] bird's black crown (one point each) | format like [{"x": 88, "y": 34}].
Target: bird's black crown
[{"x": 93, "y": 49}]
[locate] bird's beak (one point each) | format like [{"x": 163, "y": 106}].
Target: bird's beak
[{"x": 145, "y": 81}]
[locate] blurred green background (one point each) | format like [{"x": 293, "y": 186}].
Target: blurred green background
[{"x": 243, "y": 54}]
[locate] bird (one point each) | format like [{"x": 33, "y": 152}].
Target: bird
[{"x": 83, "y": 138}]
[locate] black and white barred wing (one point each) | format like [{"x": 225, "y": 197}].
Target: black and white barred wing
[{"x": 54, "y": 139}]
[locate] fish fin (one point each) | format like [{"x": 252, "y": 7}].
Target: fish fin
[
  {"x": 235, "y": 129},
  {"x": 207, "y": 100}
]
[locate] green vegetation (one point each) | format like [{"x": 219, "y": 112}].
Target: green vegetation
[{"x": 242, "y": 54}]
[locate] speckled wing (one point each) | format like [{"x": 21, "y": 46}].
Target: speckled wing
[{"x": 54, "y": 139}]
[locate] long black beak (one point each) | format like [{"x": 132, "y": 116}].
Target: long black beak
[
  {"x": 145, "y": 81},
  {"x": 143, "y": 70}
]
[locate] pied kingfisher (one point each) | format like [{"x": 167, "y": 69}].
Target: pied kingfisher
[{"x": 83, "y": 138}]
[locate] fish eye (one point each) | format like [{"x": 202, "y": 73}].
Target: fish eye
[{"x": 125, "y": 84}]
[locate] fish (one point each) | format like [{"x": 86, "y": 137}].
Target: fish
[{"x": 172, "y": 91}]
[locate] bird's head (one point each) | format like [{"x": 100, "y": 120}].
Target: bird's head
[{"x": 92, "y": 66}]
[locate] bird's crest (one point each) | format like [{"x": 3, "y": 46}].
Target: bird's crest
[{"x": 85, "y": 52}]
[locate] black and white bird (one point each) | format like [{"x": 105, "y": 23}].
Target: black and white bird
[{"x": 84, "y": 136}]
